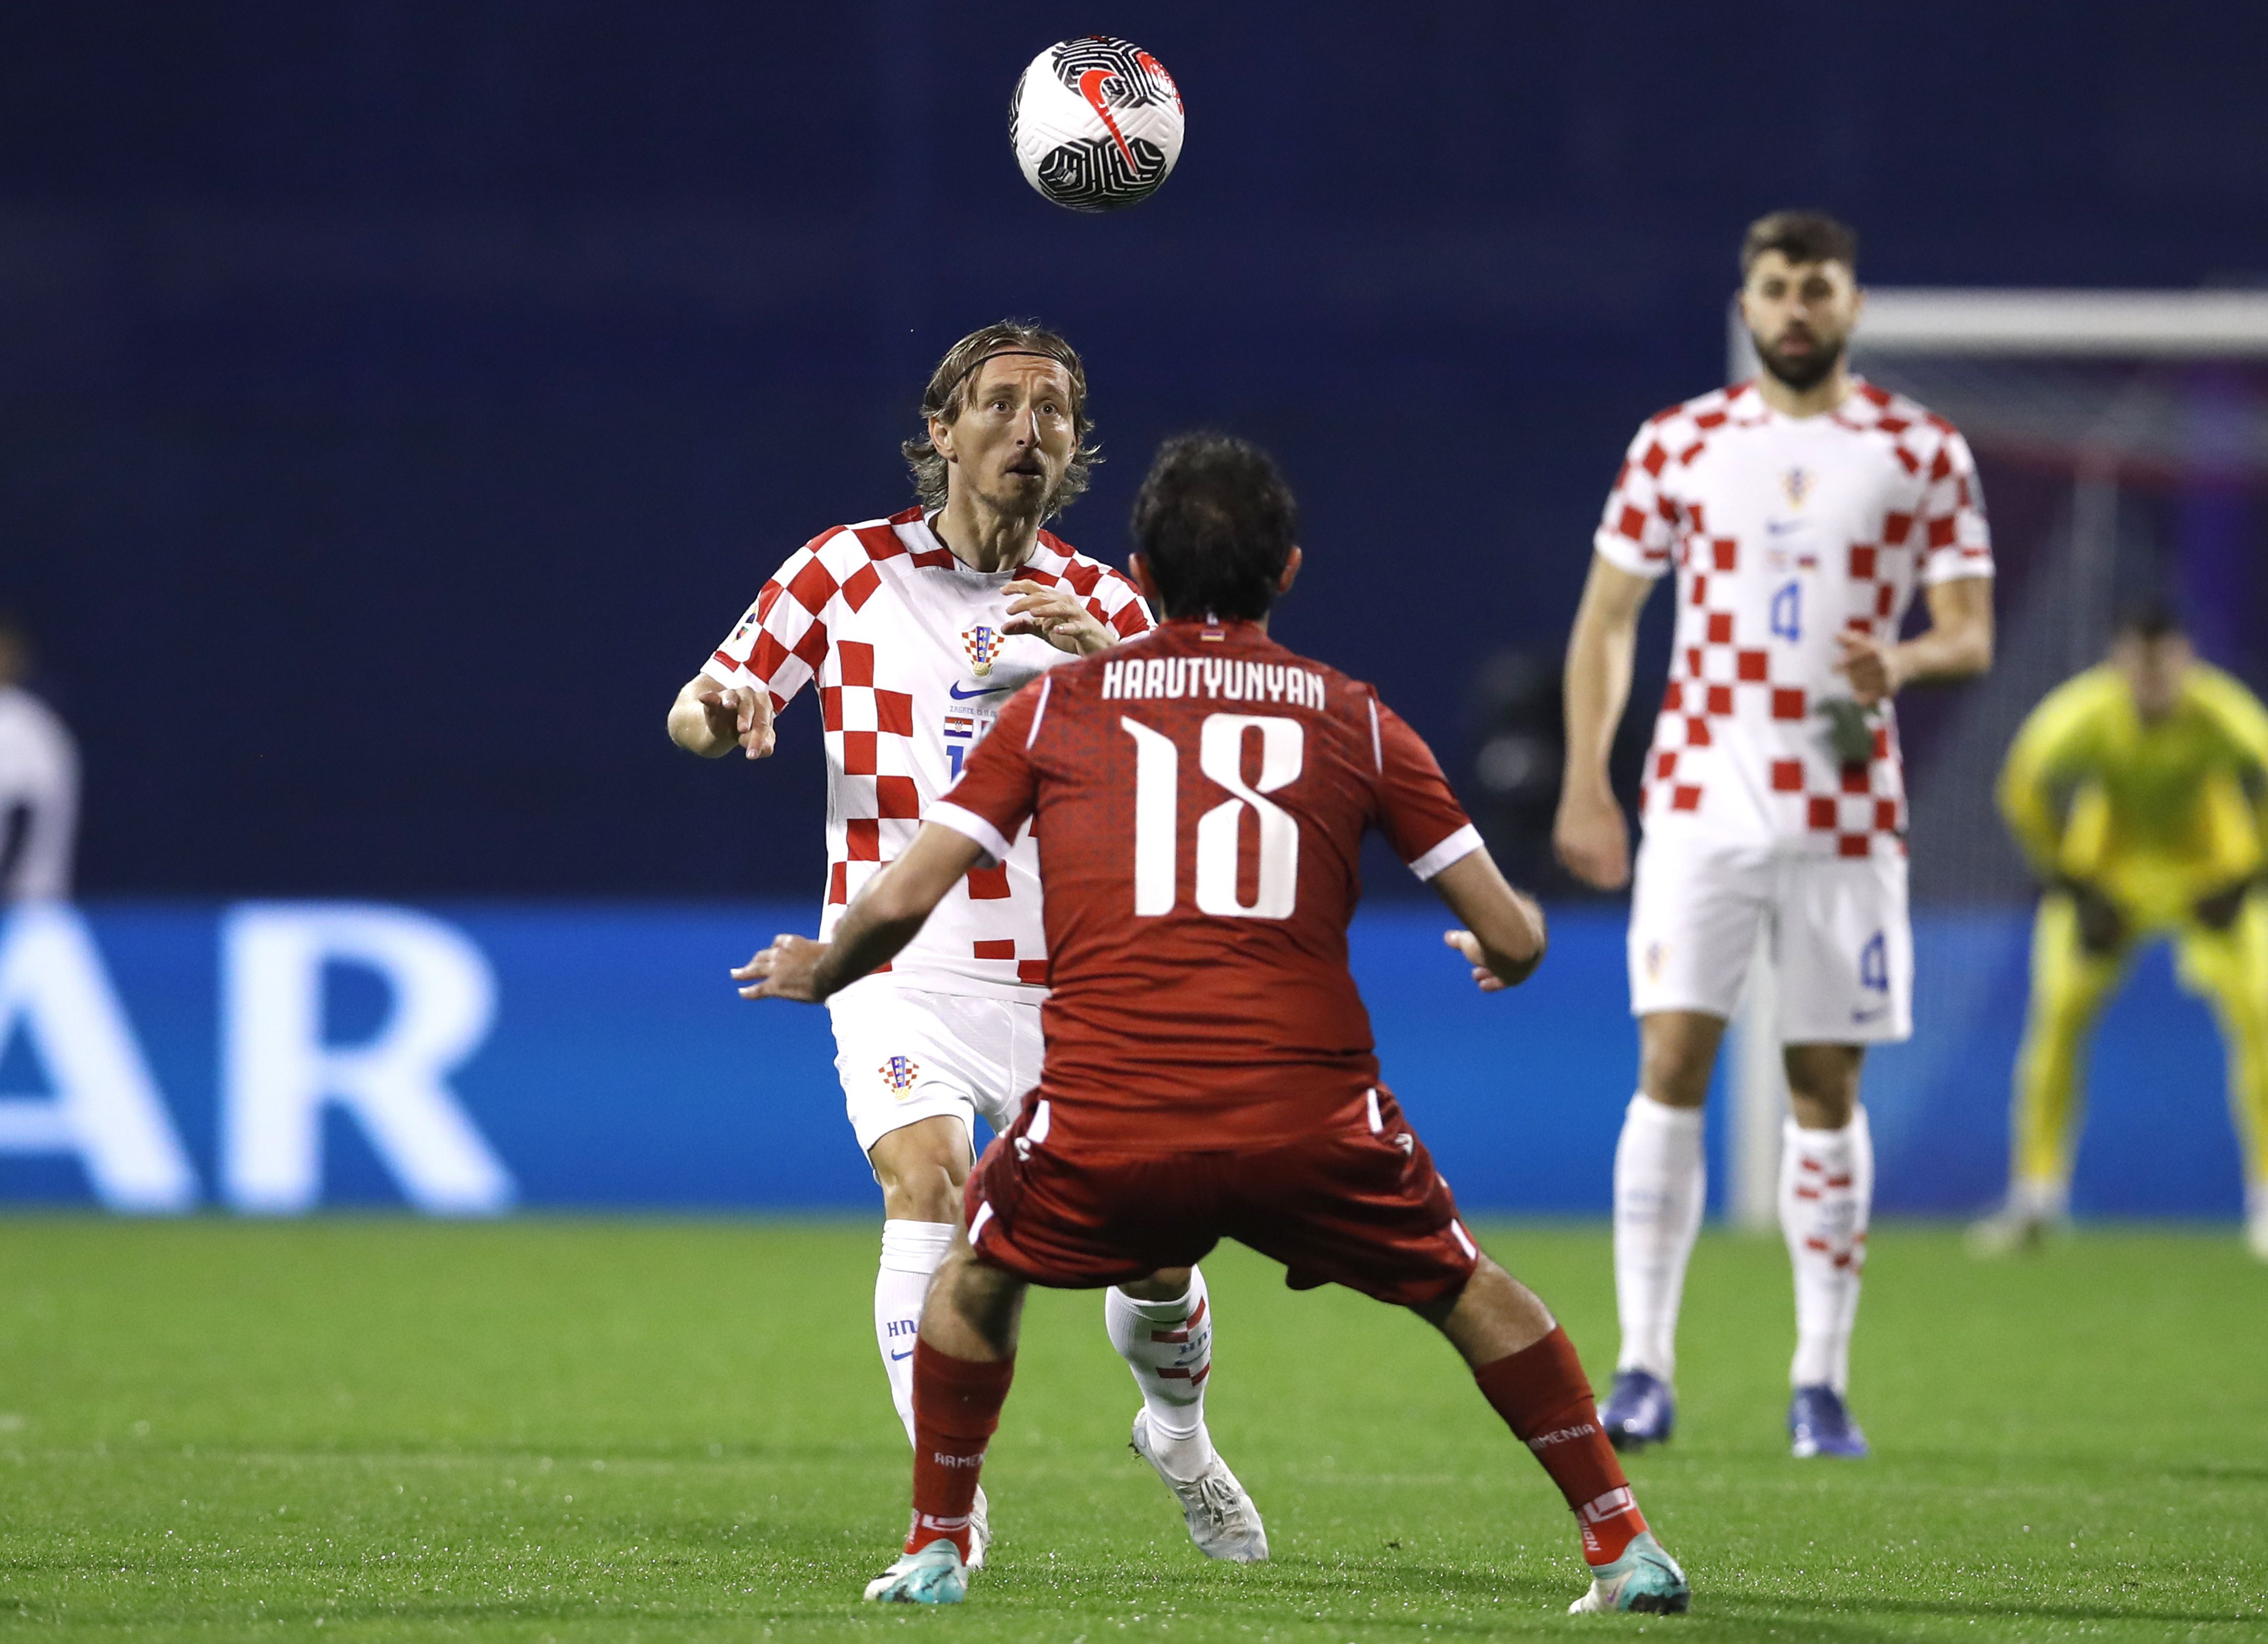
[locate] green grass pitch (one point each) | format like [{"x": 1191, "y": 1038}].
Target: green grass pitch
[{"x": 341, "y": 1429}]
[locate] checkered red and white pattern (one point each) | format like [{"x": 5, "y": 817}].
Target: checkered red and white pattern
[
  {"x": 880, "y": 615},
  {"x": 1784, "y": 532}
]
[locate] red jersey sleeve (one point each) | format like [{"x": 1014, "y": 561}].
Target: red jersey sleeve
[
  {"x": 998, "y": 788},
  {"x": 1417, "y": 811}
]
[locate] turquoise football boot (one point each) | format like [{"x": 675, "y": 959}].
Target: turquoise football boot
[
  {"x": 1644, "y": 1578},
  {"x": 935, "y": 1575}
]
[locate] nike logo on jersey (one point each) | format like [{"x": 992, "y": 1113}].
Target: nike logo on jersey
[
  {"x": 1781, "y": 528},
  {"x": 908, "y": 1353},
  {"x": 958, "y": 695},
  {"x": 1868, "y": 1014}
]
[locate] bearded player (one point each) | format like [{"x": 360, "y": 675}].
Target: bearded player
[
  {"x": 916, "y": 628},
  {"x": 1800, "y": 511},
  {"x": 1201, "y": 800}
]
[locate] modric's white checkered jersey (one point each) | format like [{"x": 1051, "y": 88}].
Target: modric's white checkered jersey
[
  {"x": 906, "y": 646},
  {"x": 1786, "y": 532}
]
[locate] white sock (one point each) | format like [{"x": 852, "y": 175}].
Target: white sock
[
  {"x": 1661, "y": 1183},
  {"x": 911, "y": 1252},
  {"x": 1826, "y": 1186},
  {"x": 1169, "y": 1347},
  {"x": 2048, "y": 1200}
]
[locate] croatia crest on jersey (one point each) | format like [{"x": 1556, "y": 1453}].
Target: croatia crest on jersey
[
  {"x": 983, "y": 644},
  {"x": 899, "y": 1074}
]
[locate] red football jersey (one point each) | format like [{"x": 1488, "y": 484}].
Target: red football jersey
[{"x": 1199, "y": 795}]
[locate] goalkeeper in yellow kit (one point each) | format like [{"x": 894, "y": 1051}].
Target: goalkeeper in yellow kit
[{"x": 2139, "y": 793}]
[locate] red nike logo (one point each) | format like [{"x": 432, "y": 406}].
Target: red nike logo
[{"x": 1090, "y": 87}]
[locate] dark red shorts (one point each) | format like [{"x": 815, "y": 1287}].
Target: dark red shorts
[{"x": 1361, "y": 1206}]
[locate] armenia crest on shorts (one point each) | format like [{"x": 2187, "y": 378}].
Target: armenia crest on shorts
[
  {"x": 983, "y": 644},
  {"x": 899, "y": 1074}
]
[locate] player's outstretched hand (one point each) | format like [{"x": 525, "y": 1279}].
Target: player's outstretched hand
[
  {"x": 744, "y": 714},
  {"x": 1056, "y": 614},
  {"x": 789, "y": 968},
  {"x": 1873, "y": 668},
  {"x": 1469, "y": 945},
  {"x": 1592, "y": 838}
]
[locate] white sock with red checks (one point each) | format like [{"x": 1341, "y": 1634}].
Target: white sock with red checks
[
  {"x": 1169, "y": 1347},
  {"x": 911, "y": 1252},
  {"x": 1826, "y": 1186},
  {"x": 1660, "y": 1184}
]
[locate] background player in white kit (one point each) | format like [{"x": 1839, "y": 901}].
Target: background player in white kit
[
  {"x": 1800, "y": 510},
  {"x": 917, "y": 629},
  {"x": 38, "y": 783}
]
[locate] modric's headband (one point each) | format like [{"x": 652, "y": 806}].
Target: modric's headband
[{"x": 953, "y": 387}]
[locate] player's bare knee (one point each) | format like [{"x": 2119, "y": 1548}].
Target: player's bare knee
[
  {"x": 922, "y": 1168},
  {"x": 972, "y": 1309},
  {"x": 1822, "y": 1084},
  {"x": 1492, "y": 1316},
  {"x": 1677, "y": 1052},
  {"x": 1167, "y": 1283}
]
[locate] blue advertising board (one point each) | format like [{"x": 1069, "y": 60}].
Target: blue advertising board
[{"x": 475, "y": 1059}]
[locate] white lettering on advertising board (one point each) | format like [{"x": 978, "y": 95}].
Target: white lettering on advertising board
[
  {"x": 102, "y": 1106},
  {"x": 278, "y": 1074}
]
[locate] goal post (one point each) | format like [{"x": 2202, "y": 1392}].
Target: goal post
[{"x": 2089, "y": 405}]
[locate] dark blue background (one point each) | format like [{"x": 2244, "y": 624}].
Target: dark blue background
[{"x": 397, "y": 401}]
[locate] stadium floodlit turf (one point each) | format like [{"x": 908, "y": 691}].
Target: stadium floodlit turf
[{"x": 342, "y": 1430}]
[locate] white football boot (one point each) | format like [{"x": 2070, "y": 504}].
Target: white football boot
[
  {"x": 2256, "y": 1225},
  {"x": 2027, "y": 1219},
  {"x": 1220, "y": 1515}
]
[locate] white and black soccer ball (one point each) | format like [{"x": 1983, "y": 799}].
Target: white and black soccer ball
[{"x": 1096, "y": 123}]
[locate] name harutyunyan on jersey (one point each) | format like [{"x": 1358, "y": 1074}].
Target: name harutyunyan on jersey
[{"x": 1223, "y": 678}]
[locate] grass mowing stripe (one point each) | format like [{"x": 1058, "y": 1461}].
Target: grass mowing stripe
[{"x": 587, "y": 1430}]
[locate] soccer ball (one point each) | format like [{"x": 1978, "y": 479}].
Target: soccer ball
[{"x": 1096, "y": 123}]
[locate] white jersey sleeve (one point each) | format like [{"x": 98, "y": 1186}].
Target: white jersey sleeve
[
  {"x": 1639, "y": 528},
  {"x": 781, "y": 640},
  {"x": 1955, "y": 543}
]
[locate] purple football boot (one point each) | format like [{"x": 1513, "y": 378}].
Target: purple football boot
[
  {"x": 1640, "y": 1411},
  {"x": 1819, "y": 1423}
]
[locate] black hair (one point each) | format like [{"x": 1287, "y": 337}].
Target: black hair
[
  {"x": 1800, "y": 237},
  {"x": 1216, "y": 523}
]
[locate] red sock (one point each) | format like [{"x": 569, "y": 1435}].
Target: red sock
[
  {"x": 956, "y": 1411},
  {"x": 1544, "y": 1398}
]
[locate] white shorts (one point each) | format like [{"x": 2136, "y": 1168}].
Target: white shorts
[
  {"x": 904, "y": 1055},
  {"x": 1841, "y": 946}
]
